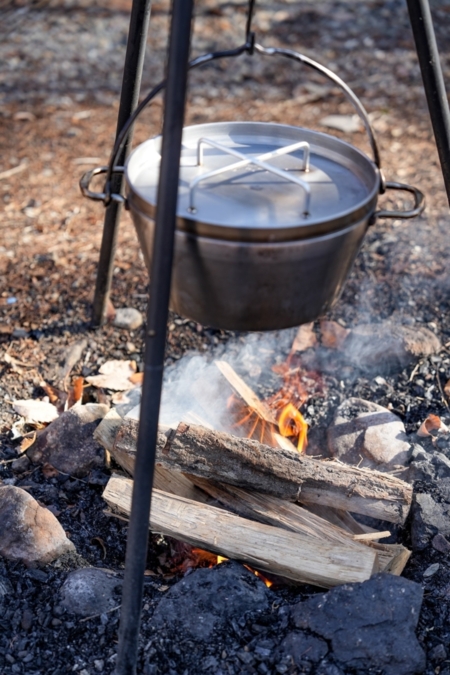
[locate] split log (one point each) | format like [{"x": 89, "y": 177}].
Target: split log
[
  {"x": 278, "y": 472},
  {"x": 269, "y": 549},
  {"x": 263, "y": 508}
]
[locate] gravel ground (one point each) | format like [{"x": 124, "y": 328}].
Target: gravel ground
[{"x": 58, "y": 104}]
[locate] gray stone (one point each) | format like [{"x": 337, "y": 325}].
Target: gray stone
[
  {"x": 438, "y": 653},
  {"x": 303, "y": 647},
  {"x": 208, "y": 599},
  {"x": 431, "y": 570},
  {"x": 368, "y": 435},
  {"x": 368, "y": 625},
  {"x": 128, "y": 318},
  {"x": 68, "y": 443},
  {"x": 29, "y": 532},
  {"x": 90, "y": 591},
  {"x": 428, "y": 518},
  {"x": 387, "y": 346},
  {"x": 440, "y": 543}
]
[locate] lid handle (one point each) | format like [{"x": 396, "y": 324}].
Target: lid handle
[{"x": 260, "y": 161}]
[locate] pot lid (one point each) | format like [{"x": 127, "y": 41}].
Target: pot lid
[{"x": 253, "y": 181}]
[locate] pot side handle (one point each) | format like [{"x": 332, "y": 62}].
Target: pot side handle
[{"x": 419, "y": 202}]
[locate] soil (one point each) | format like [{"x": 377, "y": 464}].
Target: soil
[{"x": 59, "y": 94}]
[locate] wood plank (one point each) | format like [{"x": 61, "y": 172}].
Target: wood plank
[{"x": 269, "y": 549}]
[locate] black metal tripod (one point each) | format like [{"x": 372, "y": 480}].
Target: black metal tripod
[{"x": 179, "y": 43}]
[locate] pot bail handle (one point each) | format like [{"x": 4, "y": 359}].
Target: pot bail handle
[
  {"x": 419, "y": 202},
  {"x": 349, "y": 93}
]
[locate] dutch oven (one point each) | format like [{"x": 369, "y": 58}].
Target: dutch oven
[{"x": 270, "y": 217}]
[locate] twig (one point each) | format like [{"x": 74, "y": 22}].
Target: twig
[
  {"x": 94, "y": 616},
  {"x": 416, "y": 368},
  {"x": 12, "y": 172},
  {"x": 444, "y": 401}
]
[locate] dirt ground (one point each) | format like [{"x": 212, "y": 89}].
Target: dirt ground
[{"x": 59, "y": 91}]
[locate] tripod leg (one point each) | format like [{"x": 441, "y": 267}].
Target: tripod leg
[
  {"x": 433, "y": 81},
  {"x": 158, "y": 307},
  {"x": 129, "y": 96}
]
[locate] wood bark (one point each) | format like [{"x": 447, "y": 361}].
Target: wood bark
[
  {"x": 278, "y": 472},
  {"x": 270, "y": 549}
]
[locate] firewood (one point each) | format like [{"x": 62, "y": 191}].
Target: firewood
[
  {"x": 274, "y": 511},
  {"x": 245, "y": 392},
  {"x": 278, "y": 472},
  {"x": 270, "y": 549},
  {"x": 256, "y": 506}
]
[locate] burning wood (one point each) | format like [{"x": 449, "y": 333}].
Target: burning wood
[
  {"x": 282, "y": 473},
  {"x": 260, "y": 416}
]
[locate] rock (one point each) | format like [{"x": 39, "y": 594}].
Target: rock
[
  {"x": 365, "y": 431},
  {"x": 303, "y": 647},
  {"x": 428, "y": 518},
  {"x": 128, "y": 318},
  {"x": 438, "y": 653},
  {"x": 208, "y": 599},
  {"x": 440, "y": 543},
  {"x": 90, "y": 591},
  {"x": 6, "y": 589},
  {"x": 387, "y": 346},
  {"x": 68, "y": 443},
  {"x": 368, "y": 625},
  {"x": 29, "y": 532},
  {"x": 431, "y": 570}
]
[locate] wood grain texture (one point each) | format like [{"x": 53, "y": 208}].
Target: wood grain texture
[
  {"x": 278, "y": 472},
  {"x": 269, "y": 549}
]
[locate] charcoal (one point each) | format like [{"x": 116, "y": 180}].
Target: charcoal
[
  {"x": 368, "y": 625},
  {"x": 208, "y": 599},
  {"x": 428, "y": 518}
]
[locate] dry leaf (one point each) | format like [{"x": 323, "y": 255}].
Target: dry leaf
[
  {"x": 447, "y": 389},
  {"x": 76, "y": 392},
  {"x": 27, "y": 442},
  {"x": 137, "y": 378},
  {"x": 305, "y": 338},
  {"x": 53, "y": 393},
  {"x": 49, "y": 470},
  {"x": 332, "y": 334},
  {"x": 432, "y": 423},
  {"x": 114, "y": 375},
  {"x": 35, "y": 411}
]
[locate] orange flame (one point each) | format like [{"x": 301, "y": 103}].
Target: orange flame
[
  {"x": 200, "y": 558},
  {"x": 292, "y": 423}
]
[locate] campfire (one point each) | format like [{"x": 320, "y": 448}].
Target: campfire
[{"x": 248, "y": 491}]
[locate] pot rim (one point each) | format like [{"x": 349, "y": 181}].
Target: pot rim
[{"x": 322, "y": 144}]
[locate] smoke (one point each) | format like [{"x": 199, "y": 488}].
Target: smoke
[{"x": 195, "y": 390}]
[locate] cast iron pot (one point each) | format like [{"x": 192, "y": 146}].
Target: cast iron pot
[{"x": 270, "y": 218}]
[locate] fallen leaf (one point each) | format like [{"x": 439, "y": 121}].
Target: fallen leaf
[
  {"x": 447, "y": 389},
  {"x": 332, "y": 334},
  {"x": 76, "y": 392},
  {"x": 35, "y": 411},
  {"x": 114, "y": 375},
  {"x": 53, "y": 393},
  {"x": 432, "y": 423},
  {"x": 27, "y": 442},
  {"x": 137, "y": 378},
  {"x": 49, "y": 470},
  {"x": 305, "y": 338}
]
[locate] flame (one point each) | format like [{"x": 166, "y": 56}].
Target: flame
[
  {"x": 292, "y": 423},
  {"x": 197, "y": 557}
]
